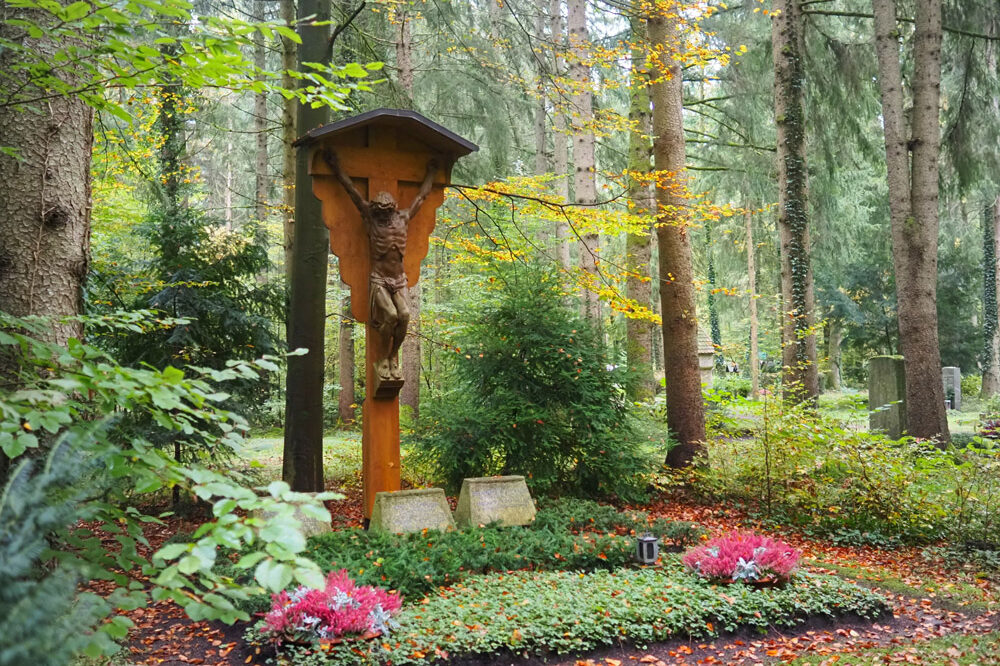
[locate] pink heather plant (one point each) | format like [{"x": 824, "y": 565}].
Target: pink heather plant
[
  {"x": 743, "y": 556},
  {"x": 340, "y": 609}
]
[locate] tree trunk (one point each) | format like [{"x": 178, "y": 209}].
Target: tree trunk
[
  {"x": 685, "y": 411},
  {"x": 45, "y": 208},
  {"x": 641, "y": 384},
  {"x": 347, "y": 402},
  {"x": 836, "y": 332},
  {"x": 303, "y": 452},
  {"x": 800, "y": 371},
  {"x": 991, "y": 330},
  {"x": 913, "y": 206},
  {"x": 560, "y": 149},
  {"x": 754, "y": 360},
  {"x": 584, "y": 178},
  {"x": 411, "y": 352},
  {"x": 715, "y": 331},
  {"x": 260, "y": 122},
  {"x": 541, "y": 154},
  {"x": 288, "y": 135}
]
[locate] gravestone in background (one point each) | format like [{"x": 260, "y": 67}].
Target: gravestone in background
[
  {"x": 887, "y": 395},
  {"x": 411, "y": 511},
  {"x": 952, "y": 378},
  {"x": 494, "y": 498},
  {"x": 706, "y": 359}
]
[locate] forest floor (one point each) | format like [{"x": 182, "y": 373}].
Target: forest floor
[{"x": 941, "y": 613}]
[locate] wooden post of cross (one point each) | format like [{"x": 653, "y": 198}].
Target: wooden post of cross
[{"x": 394, "y": 152}]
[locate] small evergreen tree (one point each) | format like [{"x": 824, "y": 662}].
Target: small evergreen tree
[{"x": 532, "y": 394}]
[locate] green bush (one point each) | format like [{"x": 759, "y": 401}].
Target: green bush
[
  {"x": 532, "y": 395},
  {"x": 534, "y": 614}
]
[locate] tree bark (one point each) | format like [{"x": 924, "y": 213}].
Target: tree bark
[
  {"x": 913, "y": 205},
  {"x": 641, "y": 384},
  {"x": 411, "y": 352},
  {"x": 800, "y": 371},
  {"x": 44, "y": 199},
  {"x": 260, "y": 122},
  {"x": 303, "y": 451},
  {"x": 288, "y": 135},
  {"x": 560, "y": 149},
  {"x": 991, "y": 329},
  {"x": 541, "y": 154},
  {"x": 584, "y": 176},
  {"x": 836, "y": 332},
  {"x": 754, "y": 360},
  {"x": 347, "y": 401},
  {"x": 685, "y": 410}
]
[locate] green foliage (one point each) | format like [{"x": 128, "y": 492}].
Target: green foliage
[
  {"x": 569, "y": 612},
  {"x": 532, "y": 394},
  {"x": 40, "y": 499},
  {"x": 79, "y": 396},
  {"x": 854, "y": 487},
  {"x": 91, "y": 49},
  {"x": 566, "y": 535},
  {"x": 209, "y": 278}
]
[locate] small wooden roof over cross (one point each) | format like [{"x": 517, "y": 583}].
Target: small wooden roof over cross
[{"x": 436, "y": 137}]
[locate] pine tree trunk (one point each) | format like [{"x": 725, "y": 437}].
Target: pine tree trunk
[
  {"x": 260, "y": 123},
  {"x": 754, "y": 360},
  {"x": 303, "y": 452},
  {"x": 411, "y": 350},
  {"x": 715, "y": 330},
  {"x": 836, "y": 333},
  {"x": 584, "y": 176},
  {"x": 991, "y": 329},
  {"x": 347, "y": 401},
  {"x": 641, "y": 384},
  {"x": 913, "y": 206},
  {"x": 288, "y": 135},
  {"x": 541, "y": 154},
  {"x": 685, "y": 411},
  {"x": 560, "y": 149},
  {"x": 800, "y": 371},
  {"x": 44, "y": 200}
]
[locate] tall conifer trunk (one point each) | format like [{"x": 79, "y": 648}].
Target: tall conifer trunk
[
  {"x": 754, "y": 359},
  {"x": 638, "y": 248},
  {"x": 991, "y": 330},
  {"x": 303, "y": 451},
  {"x": 584, "y": 176},
  {"x": 800, "y": 372},
  {"x": 412, "y": 349},
  {"x": 912, "y": 168},
  {"x": 288, "y": 135},
  {"x": 685, "y": 411},
  {"x": 347, "y": 401},
  {"x": 260, "y": 123},
  {"x": 560, "y": 149}
]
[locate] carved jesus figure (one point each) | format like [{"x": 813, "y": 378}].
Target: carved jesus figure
[{"x": 387, "y": 226}]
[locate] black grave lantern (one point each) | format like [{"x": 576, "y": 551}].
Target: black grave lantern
[{"x": 647, "y": 548}]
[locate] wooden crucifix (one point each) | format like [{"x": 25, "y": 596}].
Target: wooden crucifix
[{"x": 381, "y": 178}]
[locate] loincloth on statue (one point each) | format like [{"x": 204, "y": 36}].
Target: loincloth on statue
[{"x": 393, "y": 285}]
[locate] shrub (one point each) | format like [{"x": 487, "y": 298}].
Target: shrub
[
  {"x": 743, "y": 556},
  {"x": 340, "y": 609},
  {"x": 534, "y": 614},
  {"x": 532, "y": 395}
]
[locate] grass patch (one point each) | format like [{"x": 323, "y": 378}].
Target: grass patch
[
  {"x": 539, "y": 613},
  {"x": 963, "y": 650}
]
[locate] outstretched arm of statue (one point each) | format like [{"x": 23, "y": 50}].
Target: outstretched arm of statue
[
  {"x": 425, "y": 187},
  {"x": 331, "y": 158}
]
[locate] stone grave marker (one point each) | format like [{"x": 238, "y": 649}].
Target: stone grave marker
[
  {"x": 411, "y": 511},
  {"x": 886, "y": 386},
  {"x": 308, "y": 525},
  {"x": 495, "y": 498},
  {"x": 952, "y": 378}
]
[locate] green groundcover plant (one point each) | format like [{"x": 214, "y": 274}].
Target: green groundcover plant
[
  {"x": 562, "y": 537},
  {"x": 532, "y": 613}
]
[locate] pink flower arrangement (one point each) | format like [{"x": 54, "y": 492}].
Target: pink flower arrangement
[
  {"x": 743, "y": 556},
  {"x": 338, "y": 610}
]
